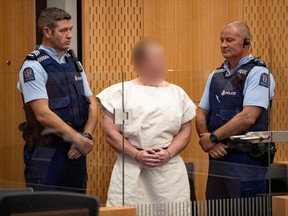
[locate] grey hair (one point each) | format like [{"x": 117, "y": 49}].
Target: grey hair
[{"x": 242, "y": 27}]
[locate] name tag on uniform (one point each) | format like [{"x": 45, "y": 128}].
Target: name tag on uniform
[{"x": 78, "y": 77}]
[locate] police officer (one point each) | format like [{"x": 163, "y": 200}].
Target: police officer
[
  {"x": 59, "y": 107},
  {"x": 235, "y": 101}
]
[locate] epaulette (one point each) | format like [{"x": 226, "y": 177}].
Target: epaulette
[
  {"x": 37, "y": 55},
  {"x": 220, "y": 69},
  {"x": 259, "y": 62},
  {"x": 33, "y": 55}
]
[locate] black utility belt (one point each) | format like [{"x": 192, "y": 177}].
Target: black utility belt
[
  {"x": 140, "y": 149},
  {"x": 243, "y": 147},
  {"x": 246, "y": 147}
]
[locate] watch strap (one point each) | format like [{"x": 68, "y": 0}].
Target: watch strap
[{"x": 87, "y": 135}]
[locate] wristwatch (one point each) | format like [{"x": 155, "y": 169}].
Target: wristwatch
[
  {"x": 213, "y": 137},
  {"x": 87, "y": 135}
]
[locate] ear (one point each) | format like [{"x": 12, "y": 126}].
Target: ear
[
  {"x": 247, "y": 42},
  {"x": 47, "y": 32}
]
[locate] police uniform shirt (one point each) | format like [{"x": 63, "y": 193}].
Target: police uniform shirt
[
  {"x": 33, "y": 77},
  {"x": 255, "y": 89}
]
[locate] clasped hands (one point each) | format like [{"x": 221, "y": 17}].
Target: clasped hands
[
  {"x": 215, "y": 150},
  {"x": 153, "y": 157},
  {"x": 82, "y": 147}
]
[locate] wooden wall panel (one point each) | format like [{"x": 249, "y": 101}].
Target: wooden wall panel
[
  {"x": 111, "y": 28},
  {"x": 17, "y": 38},
  {"x": 190, "y": 31},
  {"x": 268, "y": 21}
]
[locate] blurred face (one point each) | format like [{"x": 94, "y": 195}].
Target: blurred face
[
  {"x": 232, "y": 43},
  {"x": 154, "y": 64},
  {"x": 60, "y": 38}
]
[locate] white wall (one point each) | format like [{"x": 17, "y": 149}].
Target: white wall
[{"x": 71, "y": 7}]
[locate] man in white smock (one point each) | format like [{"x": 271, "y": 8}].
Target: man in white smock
[{"x": 159, "y": 128}]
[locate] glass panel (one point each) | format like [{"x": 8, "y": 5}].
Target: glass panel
[
  {"x": 197, "y": 167},
  {"x": 102, "y": 159}
]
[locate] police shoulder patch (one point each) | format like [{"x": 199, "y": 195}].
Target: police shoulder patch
[
  {"x": 264, "y": 80},
  {"x": 28, "y": 74}
]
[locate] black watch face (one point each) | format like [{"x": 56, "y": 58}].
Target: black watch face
[
  {"x": 213, "y": 138},
  {"x": 87, "y": 135}
]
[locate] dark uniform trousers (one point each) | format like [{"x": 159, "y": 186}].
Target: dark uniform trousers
[
  {"x": 239, "y": 174},
  {"x": 49, "y": 168}
]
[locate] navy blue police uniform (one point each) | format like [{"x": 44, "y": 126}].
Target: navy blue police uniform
[
  {"x": 241, "y": 173},
  {"x": 47, "y": 164}
]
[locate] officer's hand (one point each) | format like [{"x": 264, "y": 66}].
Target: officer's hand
[
  {"x": 84, "y": 144},
  {"x": 164, "y": 156},
  {"x": 218, "y": 151},
  {"x": 205, "y": 142},
  {"x": 147, "y": 157},
  {"x": 74, "y": 152}
]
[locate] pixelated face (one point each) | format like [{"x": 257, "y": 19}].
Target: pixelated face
[
  {"x": 231, "y": 43},
  {"x": 61, "y": 37},
  {"x": 154, "y": 63}
]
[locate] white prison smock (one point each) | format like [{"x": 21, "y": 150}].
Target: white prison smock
[{"x": 156, "y": 115}]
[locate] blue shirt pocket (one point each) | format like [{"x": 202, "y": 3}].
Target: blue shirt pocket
[{"x": 227, "y": 114}]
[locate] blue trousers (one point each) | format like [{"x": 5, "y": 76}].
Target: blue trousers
[
  {"x": 49, "y": 168},
  {"x": 238, "y": 175},
  {"x": 234, "y": 176}
]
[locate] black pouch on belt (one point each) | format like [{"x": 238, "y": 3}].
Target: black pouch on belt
[
  {"x": 243, "y": 147},
  {"x": 261, "y": 151},
  {"x": 30, "y": 134},
  {"x": 264, "y": 152}
]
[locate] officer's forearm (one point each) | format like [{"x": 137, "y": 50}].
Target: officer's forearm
[
  {"x": 58, "y": 126},
  {"x": 235, "y": 126},
  {"x": 201, "y": 125},
  {"x": 50, "y": 120},
  {"x": 241, "y": 122},
  {"x": 181, "y": 140},
  {"x": 92, "y": 116}
]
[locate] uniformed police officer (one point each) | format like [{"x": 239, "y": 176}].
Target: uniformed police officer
[
  {"x": 59, "y": 107},
  {"x": 235, "y": 101}
]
